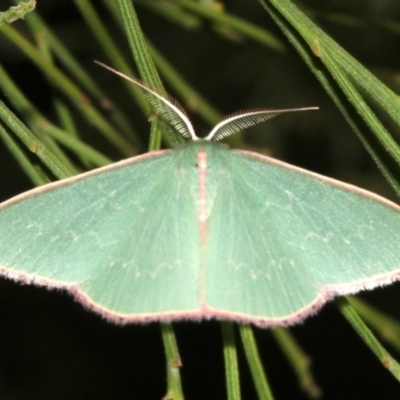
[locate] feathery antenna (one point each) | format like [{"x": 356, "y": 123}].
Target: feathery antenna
[
  {"x": 245, "y": 119},
  {"x": 171, "y": 111},
  {"x": 163, "y": 103}
]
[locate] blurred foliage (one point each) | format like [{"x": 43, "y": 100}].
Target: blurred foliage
[{"x": 216, "y": 57}]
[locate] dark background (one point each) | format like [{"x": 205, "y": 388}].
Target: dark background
[{"x": 51, "y": 348}]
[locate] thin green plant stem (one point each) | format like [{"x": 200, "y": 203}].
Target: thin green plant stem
[
  {"x": 45, "y": 49},
  {"x": 372, "y": 85},
  {"x": 33, "y": 144},
  {"x": 18, "y": 99},
  {"x": 33, "y": 117},
  {"x": 387, "y": 327},
  {"x": 174, "y": 386},
  {"x": 146, "y": 67},
  {"x": 339, "y": 99},
  {"x": 138, "y": 46},
  {"x": 67, "y": 124},
  {"x": 39, "y": 124},
  {"x": 241, "y": 26},
  {"x": 336, "y": 59},
  {"x": 143, "y": 61},
  {"x": 253, "y": 359},
  {"x": 51, "y": 144},
  {"x": 374, "y": 124},
  {"x": 361, "y": 106},
  {"x": 43, "y": 34},
  {"x": 368, "y": 337},
  {"x": 230, "y": 361},
  {"x": 173, "y": 13},
  {"x": 299, "y": 361},
  {"x": 17, "y": 12},
  {"x": 77, "y": 145},
  {"x": 65, "y": 57},
  {"x": 76, "y": 96},
  {"x": 110, "y": 47},
  {"x": 70, "y": 64},
  {"x": 90, "y": 156},
  {"x": 21, "y": 158}
]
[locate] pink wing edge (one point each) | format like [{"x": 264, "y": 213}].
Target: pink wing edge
[{"x": 204, "y": 312}]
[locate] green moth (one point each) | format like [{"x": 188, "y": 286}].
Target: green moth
[{"x": 201, "y": 232}]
